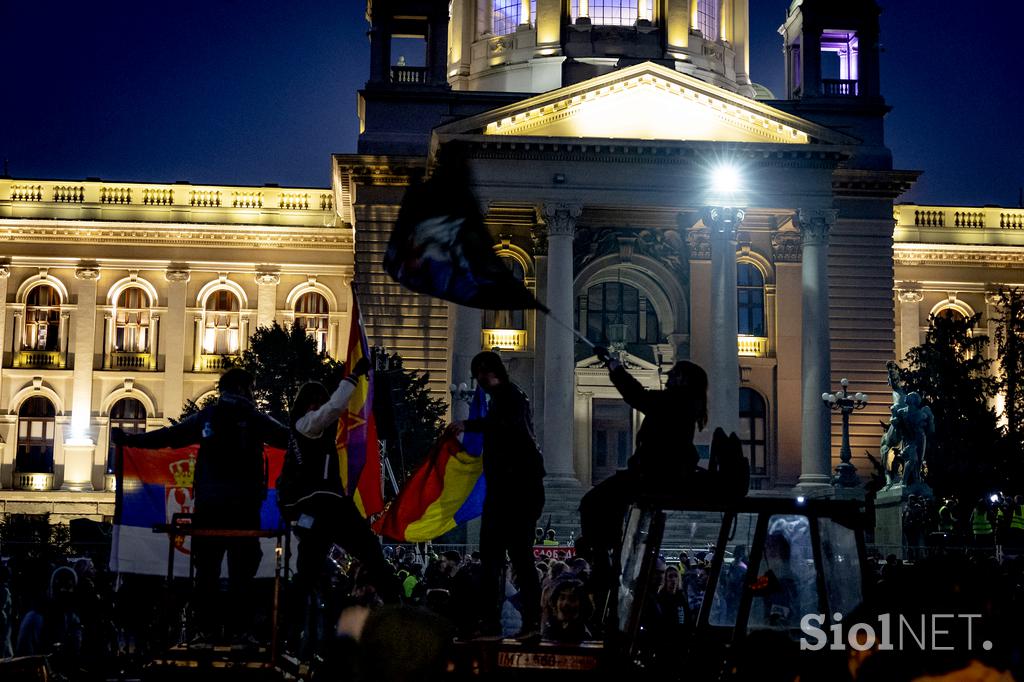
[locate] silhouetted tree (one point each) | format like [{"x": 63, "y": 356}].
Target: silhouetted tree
[
  {"x": 1010, "y": 351},
  {"x": 952, "y": 374}
]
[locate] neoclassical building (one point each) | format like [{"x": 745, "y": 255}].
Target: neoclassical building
[
  {"x": 122, "y": 300},
  {"x": 596, "y": 131}
]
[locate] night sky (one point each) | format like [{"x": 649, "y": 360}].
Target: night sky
[{"x": 251, "y": 92}]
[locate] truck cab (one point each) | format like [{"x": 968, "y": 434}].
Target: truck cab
[{"x": 767, "y": 562}]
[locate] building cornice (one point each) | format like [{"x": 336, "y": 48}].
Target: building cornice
[
  {"x": 951, "y": 255},
  {"x": 28, "y": 230},
  {"x": 194, "y": 267}
]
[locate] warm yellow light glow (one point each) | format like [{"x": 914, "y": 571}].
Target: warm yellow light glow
[
  {"x": 752, "y": 346},
  {"x": 647, "y": 107},
  {"x": 503, "y": 339}
]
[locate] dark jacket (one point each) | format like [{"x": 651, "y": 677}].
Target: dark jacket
[
  {"x": 230, "y": 466},
  {"x": 310, "y": 466},
  {"x": 664, "y": 442},
  {"x": 512, "y": 460}
]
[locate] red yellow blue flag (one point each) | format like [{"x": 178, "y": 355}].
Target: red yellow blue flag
[
  {"x": 358, "y": 447},
  {"x": 446, "y": 490}
]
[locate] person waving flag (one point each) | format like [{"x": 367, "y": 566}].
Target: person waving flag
[{"x": 358, "y": 447}]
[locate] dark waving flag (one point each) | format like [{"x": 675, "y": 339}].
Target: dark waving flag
[{"x": 441, "y": 247}]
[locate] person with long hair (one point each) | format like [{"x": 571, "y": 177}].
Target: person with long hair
[{"x": 664, "y": 458}]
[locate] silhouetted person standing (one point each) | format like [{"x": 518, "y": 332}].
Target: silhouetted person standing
[
  {"x": 229, "y": 487},
  {"x": 514, "y": 470}
]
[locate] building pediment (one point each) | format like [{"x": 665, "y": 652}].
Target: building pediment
[{"x": 647, "y": 102}]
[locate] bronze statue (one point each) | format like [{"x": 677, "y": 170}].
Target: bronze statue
[{"x": 906, "y": 438}]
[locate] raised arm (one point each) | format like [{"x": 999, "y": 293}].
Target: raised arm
[
  {"x": 312, "y": 424},
  {"x": 186, "y": 432},
  {"x": 635, "y": 395}
]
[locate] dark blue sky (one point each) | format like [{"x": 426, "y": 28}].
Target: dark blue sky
[{"x": 253, "y": 91}]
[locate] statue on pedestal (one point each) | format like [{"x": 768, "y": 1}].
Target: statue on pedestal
[{"x": 906, "y": 438}]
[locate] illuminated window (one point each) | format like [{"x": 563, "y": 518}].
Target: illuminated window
[
  {"x": 754, "y": 428},
  {"x": 221, "y": 324},
  {"x": 42, "y": 319},
  {"x": 611, "y": 438},
  {"x": 749, "y": 299},
  {"x": 615, "y": 12},
  {"x": 619, "y": 313},
  {"x": 132, "y": 321},
  {"x": 951, "y": 314},
  {"x": 36, "y": 427},
  {"x": 507, "y": 319},
  {"x": 707, "y": 19},
  {"x": 507, "y": 15},
  {"x": 312, "y": 314},
  {"x": 129, "y": 415},
  {"x": 839, "y": 62}
]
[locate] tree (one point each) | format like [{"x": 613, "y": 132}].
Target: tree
[
  {"x": 409, "y": 417},
  {"x": 1010, "y": 352},
  {"x": 953, "y": 376}
]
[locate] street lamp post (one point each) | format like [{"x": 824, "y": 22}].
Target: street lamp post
[{"x": 845, "y": 403}]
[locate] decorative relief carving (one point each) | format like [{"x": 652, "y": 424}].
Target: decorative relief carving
[
  {"x": 177, "y": 275},
  {"x": 909, "y": 292},
  {"x": 786, "y": 245},
  {"x": 5, "y": 271},
  {"x": 89, "y": 271},
  {"x": 698, "y": 243},
  {"x": 664, "y": 246},
  {"x": 268, "y": 278},
  {"x": 540, "y": 240}
]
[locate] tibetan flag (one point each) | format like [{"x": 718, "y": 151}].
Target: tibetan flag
[
  {"x": 441, "y": 247},
  {"x": 358, "y": 447},
  {"x": 445, "y": 491},
  {"x": 153, "y": 486}
]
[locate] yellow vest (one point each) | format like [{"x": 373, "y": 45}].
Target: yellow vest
[
  {"x": 980, "y": 523},
  {"x": 1017, "y": 522}
]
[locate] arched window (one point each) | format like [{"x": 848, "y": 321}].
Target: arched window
[
  {"x": 619, "y": 313},
  {"x": 36, "y": 427},
  {"x": 507, "y": 319},
  {"x": 950, "y": 314},
  {"x": 707, "y": 19},
  {"x": 749, "y": 299},
  {"x": 754, "y": 429},
  {"x": 222, "y": 323},
  {"x": 312, "y": 314},
  {"x": 129, "y": 415},
  {"x": 507, "y": 15},
  {"x": 131, "y": 321},
  {"x": 614, "y": 12},
  {"x": 42, "y": 319}
]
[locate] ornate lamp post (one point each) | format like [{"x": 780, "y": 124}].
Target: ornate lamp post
[{"x": 845, "y": 403}]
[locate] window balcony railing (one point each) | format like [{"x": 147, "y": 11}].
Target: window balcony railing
[
  {"x": 27, "y": 480},
  {"x": 503, "y": 339},
  {"x": 838, "y": 87},
  {"x": 40, "y": 359},
  {"x": 120, "y": 359},
  {"x": 408, "y": 75},
  {"x": 215, "y": 363},
  {"x": 752, "y": 346}
]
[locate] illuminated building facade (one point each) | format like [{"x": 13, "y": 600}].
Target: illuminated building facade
[
  {"x": 122, "y": 301},
  {"x": 592, "y": 128}
]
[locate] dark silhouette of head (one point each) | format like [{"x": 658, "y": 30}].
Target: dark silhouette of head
[
  {"x": 311, "y": 395},
  {"x": 691, "y": 378},
  {"x": 236, "y": 381},
  {"x": 487, "y": 363}
]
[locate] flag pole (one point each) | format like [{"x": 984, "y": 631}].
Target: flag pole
[{"x": 562, "y": 324}]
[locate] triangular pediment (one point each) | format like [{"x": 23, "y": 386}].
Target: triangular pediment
[{"x": 647, "y": 102}]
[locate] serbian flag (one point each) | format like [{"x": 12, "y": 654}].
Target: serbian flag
[
  {"x": 153, "y": 486},
  {"x": 358, "y": 447},
  {"x": 445, "y": 491},
  {"x": 441, "y": 247}
]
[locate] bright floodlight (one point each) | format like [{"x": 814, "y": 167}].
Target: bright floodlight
[{"x": 725, "y": 179}]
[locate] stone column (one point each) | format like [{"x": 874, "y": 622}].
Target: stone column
[
  {"x": 153, "y": 343},
  {"x": 723, "y": 373},
  {"x": 815, "y": 357},
  {"x": 540, "y": 267},
  {"x": 559, "y": 342},
  {"x": 5, "y": 274},
  {"x": 197, "y": 343},
  {"x": 910, "y": 296},
  {"x": 79, "y": 445},
  {"x": 266, "y": 297},
  {"x": 465, "y": 324},
  {"x": 175, "y": 333}
]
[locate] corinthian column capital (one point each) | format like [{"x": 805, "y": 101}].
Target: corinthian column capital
[
  {"x": 815, "y": 223},
  {"x": 561, "y": 218}
]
